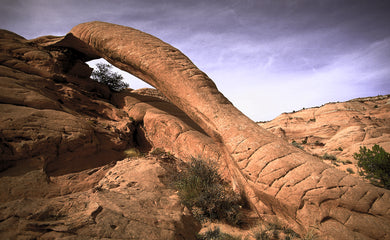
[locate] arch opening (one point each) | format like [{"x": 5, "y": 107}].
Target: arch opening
[{"x": 133, "y": 81}]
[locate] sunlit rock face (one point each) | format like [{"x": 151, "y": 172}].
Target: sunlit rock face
[{"x": 85, "y": 126}]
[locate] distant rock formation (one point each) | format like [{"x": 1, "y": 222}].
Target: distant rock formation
[
  {"x": 337, "y": 129},
  {"x": 198, "y": 120}
]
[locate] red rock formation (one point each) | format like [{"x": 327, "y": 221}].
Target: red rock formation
[
  {"x": 337, "y": 128},
  {"x": 48, "y": 118},
  {"x": 291, "y": 183},
  {"x": 60, "y": 137},
  {"x": 47, "y": 85}
]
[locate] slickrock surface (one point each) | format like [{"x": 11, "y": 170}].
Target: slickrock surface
[
  {"x": 84, "y": 126},
  {"x": 337, "y": 129},
  {"x": 127, "y": 201},
  {"x": 60, "y": 137}
]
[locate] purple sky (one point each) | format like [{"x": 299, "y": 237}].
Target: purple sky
[{"x": 266, "y": 56}]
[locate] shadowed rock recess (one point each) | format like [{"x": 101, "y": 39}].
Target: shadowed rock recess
[{"x": 72, "y": 121}]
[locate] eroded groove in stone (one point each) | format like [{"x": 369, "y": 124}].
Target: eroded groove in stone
[{"x": 289, "y": 171}]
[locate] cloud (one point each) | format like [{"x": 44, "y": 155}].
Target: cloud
[
  {"x": 265, "y": 92},
  {"x": 267, "y": 56}
]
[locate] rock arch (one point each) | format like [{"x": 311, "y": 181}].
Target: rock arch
[{"x": 275, "y": 175}]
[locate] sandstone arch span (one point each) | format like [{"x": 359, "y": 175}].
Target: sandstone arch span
[{"x": 294, "y": 185}]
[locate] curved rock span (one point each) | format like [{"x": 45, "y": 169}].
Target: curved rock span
[
  {"x": 289, "y": 182},
  {"x": 275, "y": 176}
]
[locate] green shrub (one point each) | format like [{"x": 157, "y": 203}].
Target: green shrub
[
  {"x": 261, "y": 235},
  {"x": 274, "y": 230},
  {"x": 104, "y": 75},
  {"x": 291, "y": 234},
  {"x": 327, "y": 156},
  {"x": 310, "y": 235},
  {"x": 216, "y": 234},
  {"x": 204, "y": 192},
  {"x": 295, "y": 144},
  {"x": 318, "y": 143},
  {"x": 350, "y": 170},
  {"x": 374, "y": 164}
]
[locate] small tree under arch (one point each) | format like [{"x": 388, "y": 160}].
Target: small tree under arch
[{"x": 113, "y": 80}]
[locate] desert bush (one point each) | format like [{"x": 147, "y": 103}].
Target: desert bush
[
  {"x": 310, "y": 236},
  {"x": 216, "y": 234},
  {"x": 206, "y": 194},
  {"x": 350, "y": 170},
  {"x": 274, "y": 231},
  {"x": 295, "y": 144},
  {"x": 104, "y": 75},
  {"x": 261, "y": 235},
  {"x": 327, "y": 156},
  {"x": 318, "y": 143},
  {"x": 374, "y": 164},
  {"x": 316, "y": 155},
  {"x": 290, "y": 234}
]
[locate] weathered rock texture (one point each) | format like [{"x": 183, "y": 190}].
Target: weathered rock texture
[
  {"x": 338, "y": 129},
  {"x": 275, "y": 176},
  {"x": 127, "y": 201},
  {"x": 49, "y": 119},
  {"x": 291, "y": 183},
  {"x": 60, "y": 137}
]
